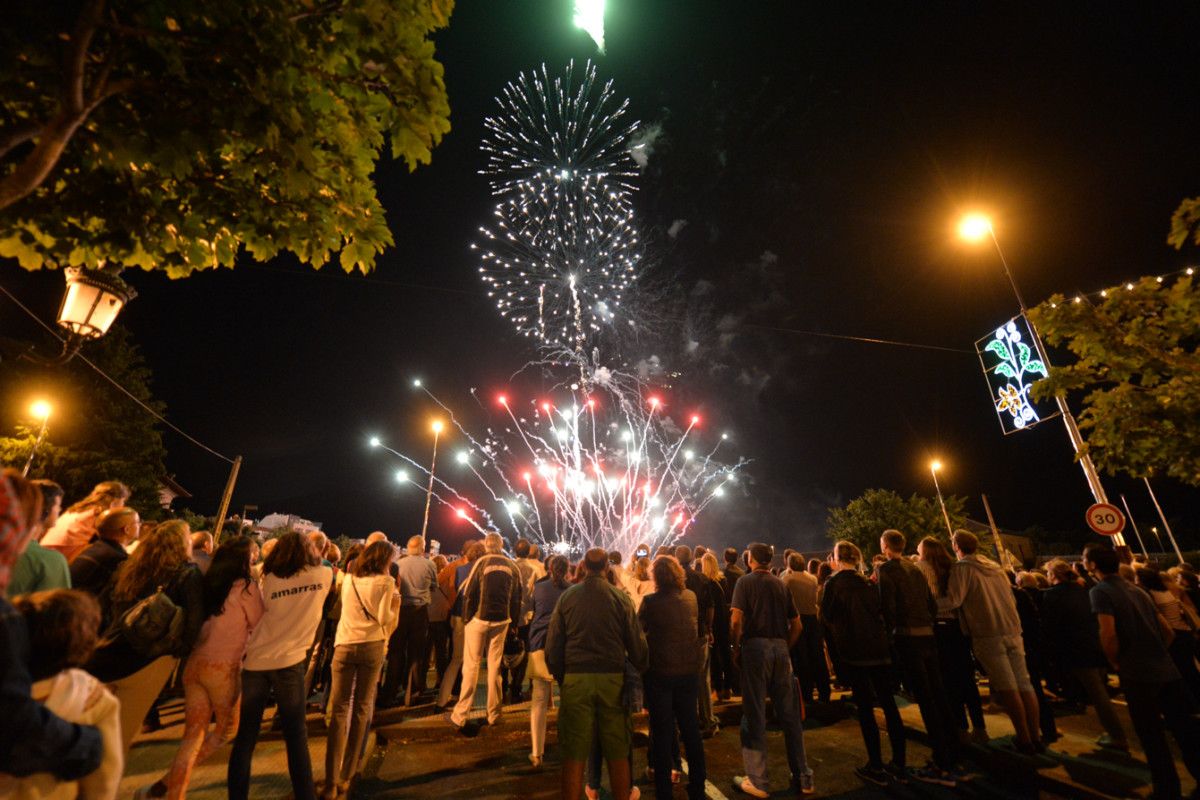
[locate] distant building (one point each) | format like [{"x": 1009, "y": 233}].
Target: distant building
[
  {"x": 276, "y": 521},
  {"x": 169, "y": 491}
]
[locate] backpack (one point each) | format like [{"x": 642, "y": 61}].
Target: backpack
[{"x": 153, "y": 626}]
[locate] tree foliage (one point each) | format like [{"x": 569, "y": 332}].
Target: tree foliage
[
  {"x": 174, "y": 134},
  {"x": 864, "y": 518},
  {"x": 1137, "y": 366},
  {"x": 96, "y": 433}
]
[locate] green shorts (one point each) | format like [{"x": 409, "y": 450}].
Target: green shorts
[{"x": 590, "y": 703}]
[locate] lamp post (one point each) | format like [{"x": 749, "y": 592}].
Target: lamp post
[
  {"x": 90, "y": 304},
  {"x": 978, "y": 228},
  {"x": 40, "y": 410},
  {"x": 934, "y": 466},
  {"x": 436, "y": 427}
]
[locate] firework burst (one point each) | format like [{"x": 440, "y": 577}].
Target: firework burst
[{"x": 610, "y": 468}]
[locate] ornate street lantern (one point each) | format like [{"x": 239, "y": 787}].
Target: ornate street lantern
[{"x": 91, "y": 303}]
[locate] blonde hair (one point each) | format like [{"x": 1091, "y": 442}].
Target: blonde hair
[
  {"x": 708, "y": 565},
  {"x": 102, "y": 497}
]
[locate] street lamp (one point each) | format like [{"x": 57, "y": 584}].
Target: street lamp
[
  {"x": 976, "y": 228},
  {"x": 40, "y": 410},
  {"x": 436, "y": 427},
  {"x": 934, "y": 466}
]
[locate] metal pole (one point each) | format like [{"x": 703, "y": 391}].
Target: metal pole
[
  {"x": 1136, "y": 532},
  {"x": 1077, "y": 443},
  {"x": 37, "y": 444},
  {"x": 1163, "y": 517},
  {"x": 225, "y": 498},
  {"x": 429, "y": 491},
  {"x": 941, "y": 502},
  {"x": 1001, "y": 550}
]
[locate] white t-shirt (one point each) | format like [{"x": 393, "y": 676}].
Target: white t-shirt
[
  {"x": 293, "y": 609},
  {"x": 355, "y": 626}
]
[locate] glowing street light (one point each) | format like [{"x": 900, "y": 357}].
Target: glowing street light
[
  {"x": 436, "y": 427},
  {"x": 40, "y": 410},
  {"x": 934, "y": 466},
  {"x": 976, "y": 228}
]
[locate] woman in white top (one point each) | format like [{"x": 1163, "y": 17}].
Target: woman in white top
[
  {"x": 370, "y": 611},
  {"x": 294, "y": 587}
]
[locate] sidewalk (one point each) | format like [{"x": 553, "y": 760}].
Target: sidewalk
[{"x": 1074, "y": 766}]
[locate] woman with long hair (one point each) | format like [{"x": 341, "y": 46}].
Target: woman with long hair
[
  {"x": 370, "y": 612},
  {"x": 294, "y": 586},
  {"x": 545, "y": 595},
  {"x": 76, "y": 527},
  {"x": 954, "y": 648},
  {"x": 212, "y": 679},
  {"x": 670, "y": 618},
  {"x": 640, "y": 582},
  {"x": 162, "y": 561},
  {"x": 721, "y": 663}
]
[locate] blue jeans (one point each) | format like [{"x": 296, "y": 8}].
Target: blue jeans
[
  {"x": 288, "y": 684},
  {"x": 671, "y": 701},
  {"x": 767, "y": 672}
]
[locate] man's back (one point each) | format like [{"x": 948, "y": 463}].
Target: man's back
[
  {"x": 417, "y": 577},
  {"x": 1143, "y": 654},
  {"x": 979, "y": 587},
  {"x": 907, "y": 604},
  {"x": 766, "y": 605},
  {"x": 493, "y": 589},
  {"x": 701, "y": 586},
  {"x": 803, "y": 587},
  {"x": 592, "y": 629}
]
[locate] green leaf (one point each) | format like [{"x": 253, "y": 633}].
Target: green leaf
[
  {"x": 1005, "y": 369},
  {"x": 998, "y": 347}
]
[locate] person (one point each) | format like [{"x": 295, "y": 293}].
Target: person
[
  {"x": 491, "y": 602},
  {"x": 77, "y": 525},
  {"x": 64, "y": 627},
  {"x": 732, "y": 571},
  {"x": 233, "y": 605},
  {"x": 721, "y": 658},
  {"x": 453, "y": 580},
  {"x": 531, "y": 571},
  {"x": 851, "y": 611},
  {"x": 705, "y": 591},
  {"x": 203, "y": 545},
  {"x": 640, "y": 582},
  {"x": 294, "y": 586},
  {"x": 40, "y": 568},
  {"x": 1071, "y": 637},
  {"x": 33, "y": 738},
  {"x": 764, "y": 625},
  {"x": 1135, "y": 639},
  {"x": 411, "y": 636},
  {"x": 593, "y": 631},
  {"x": 1183, "y": 643},
  {"x": 953, "y": 647},
  {"x": 668, "y": 619},
  {"x": 134, "y": 677},
  {"x": 1029, "y": 598},
  {"x": 439, "y": 626},
  {"x": 546, "y": 592},
  {"x": 94, "y": 567},
  {"x": 371, "y": 609},
  {"x": 980, "y": 590},
  {"x": 808, "y": 654},
  {"x": 909, "y": 611}
]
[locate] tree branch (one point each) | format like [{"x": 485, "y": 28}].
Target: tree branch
[
  {"x": 18, "y": 135},
  {"x": 75, "y": 65}
]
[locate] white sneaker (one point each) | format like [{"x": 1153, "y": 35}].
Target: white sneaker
[{"x": 747, "y": 786}]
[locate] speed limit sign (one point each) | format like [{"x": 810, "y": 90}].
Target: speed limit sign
[{"x": 1105, "y": 519}]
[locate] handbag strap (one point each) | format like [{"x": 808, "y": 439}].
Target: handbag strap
[{"x": 370, "y": 616}]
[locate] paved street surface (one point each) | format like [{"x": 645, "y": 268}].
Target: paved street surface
[{"x": 417, "y": 754}]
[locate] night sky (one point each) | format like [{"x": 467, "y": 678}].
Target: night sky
[{"x": 819, "y": 155}]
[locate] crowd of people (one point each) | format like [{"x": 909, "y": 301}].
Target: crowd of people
[{"x": 104, "y": 613}]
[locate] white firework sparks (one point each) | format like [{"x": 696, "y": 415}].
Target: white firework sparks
[
  {"x": 564, "y": 250},
  {"x": 611, "y": 469}
]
